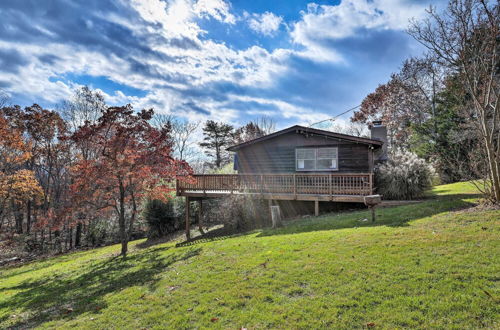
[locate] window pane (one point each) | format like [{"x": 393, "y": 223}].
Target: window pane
[
  {"x": 327, "y": 153},
  {"x": 305, "y": 153},
  {"x": 307, "y": 165},
  {"x": 326, "y": 164}
]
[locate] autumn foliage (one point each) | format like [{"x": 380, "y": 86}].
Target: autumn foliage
[
  {"x": 62, "y": 177},
  {"x": 17, "y": 184},
  {"x": 133, "y": 161}
]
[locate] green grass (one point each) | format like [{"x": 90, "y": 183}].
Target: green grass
[{"x": 433, "y": 264}]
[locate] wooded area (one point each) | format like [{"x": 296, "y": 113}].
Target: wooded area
[
  {"x": 445, "y": 106},
  {"x": 65, "y": 173}
]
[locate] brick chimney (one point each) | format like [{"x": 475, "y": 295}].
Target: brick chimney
[{"x": 379, "y": 132}]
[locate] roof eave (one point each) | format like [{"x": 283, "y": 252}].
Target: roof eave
[{"x": 355, "y": 139}]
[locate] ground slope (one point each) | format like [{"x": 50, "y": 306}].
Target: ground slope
[{"x": 434, "y": 264}]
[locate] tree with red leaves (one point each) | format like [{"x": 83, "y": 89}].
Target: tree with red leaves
[
  {"x": 406, "y": 99},
  {"x": 133, "y": 160}
]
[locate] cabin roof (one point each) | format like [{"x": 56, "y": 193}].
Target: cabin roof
[{"x": 310, "y": 132}]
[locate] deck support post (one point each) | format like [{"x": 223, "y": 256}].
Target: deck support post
[
  {"x": 316, "y": 207},
  {"x": 200, "y": 216},
  {"x": 188, "y": 220},
  {"x": 270, "y": 203}
]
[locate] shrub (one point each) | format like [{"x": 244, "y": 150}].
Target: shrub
[
  {"x": 160, "y": 217},
  {"x": 403, "y": 176},
  {"x": 101, "y": 231}
]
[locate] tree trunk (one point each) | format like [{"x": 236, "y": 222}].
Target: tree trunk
[
  {"x": 65, "y": 230},
  {"x": 71, "y": 237},
  {"x": 28, "y": 217},
  {"x": 123, "y": 252},
  {"x": 218, "y": 159},
  {"x": 57, "y": 238},
  {"x": 18, "y": 216},
  {"x": 78, "y": 234},
  {"x": 121, "y": 221},
  {"x": 493, "y": 166},
  {"x": 132, "y": 216}
]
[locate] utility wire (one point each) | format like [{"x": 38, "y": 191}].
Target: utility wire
[{"x": 335, "y": 117}]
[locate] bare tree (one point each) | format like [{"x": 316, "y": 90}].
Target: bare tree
[
  {"x": 183, "y": 132},
  {"x": 465, "y": 40},
  {"x": 426, "y": 78},
  {"x": 85, "y": 105},
  {"x": 4, "y": 98},
  {"x": 351, "y": 128},
  {"x": 266, "y": 124}
]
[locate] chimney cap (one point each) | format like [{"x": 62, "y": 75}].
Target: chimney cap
[{"x": 377, "y": 123}]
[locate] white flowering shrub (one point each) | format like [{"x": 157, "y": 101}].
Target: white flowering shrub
[{"x": 403, "y": 176}]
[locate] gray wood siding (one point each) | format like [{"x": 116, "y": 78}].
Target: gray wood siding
[{"x": 277, "y": 155}]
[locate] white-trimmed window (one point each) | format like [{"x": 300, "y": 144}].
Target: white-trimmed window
[{"x": 316, "y": 159}]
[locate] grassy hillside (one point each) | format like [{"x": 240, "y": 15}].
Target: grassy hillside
[{"x": 433, "y": 264}]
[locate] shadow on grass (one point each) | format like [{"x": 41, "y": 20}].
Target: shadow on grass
[
  {"x": 218, "y": 234},
  {"x": 67, "y": 295},
  {"x": 157, "y": 241},
  {"x": 395, "y": 216}
]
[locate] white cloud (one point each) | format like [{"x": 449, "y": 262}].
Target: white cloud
[
  {"x": 175, "y": 76},
  {"x": 285, "y": 110},
  {"x": 191, "y": 68},
  {"x": 218, "y": 9},
  {"x": 320, "y": 24},
  {"x": 177, "y": 16},
  {"x": 266, "y": 23}
]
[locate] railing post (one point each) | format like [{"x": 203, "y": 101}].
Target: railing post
[
  {"x": 261, "y": 184},
  {"x": 203, "y": 185},
  {"x": 330, "y": 187},
  {"x": 371, "y": 183},
  {"x": 295, "y": 186}
]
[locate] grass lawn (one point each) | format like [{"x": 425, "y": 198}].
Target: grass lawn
[{"x": 433, "y": 264}]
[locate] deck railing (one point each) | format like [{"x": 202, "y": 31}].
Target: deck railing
[{"x": 314, "y": 184}]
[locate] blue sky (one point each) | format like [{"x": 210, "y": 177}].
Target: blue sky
[{"x": 294, "y": 61}]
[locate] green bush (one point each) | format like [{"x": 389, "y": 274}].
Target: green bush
[
  {"x": 403, "y": 176},
  {"x": 160, "y": 217}
]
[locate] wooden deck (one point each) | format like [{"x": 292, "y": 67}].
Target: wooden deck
[
  {"x": 335, "y": 187},
  {"x": 349, "y": 187}
]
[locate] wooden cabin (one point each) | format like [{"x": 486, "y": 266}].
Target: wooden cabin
[
  {"x": 298, "y": 164},
  {"x": 301, "y": 150}
]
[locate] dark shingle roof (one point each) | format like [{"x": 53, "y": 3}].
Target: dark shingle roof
[{"x": 312, "y": 131}]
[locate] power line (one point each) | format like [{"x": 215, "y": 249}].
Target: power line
[
  {"x": 354, "y": 108},
  {"x": 335, "y": 117}
]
